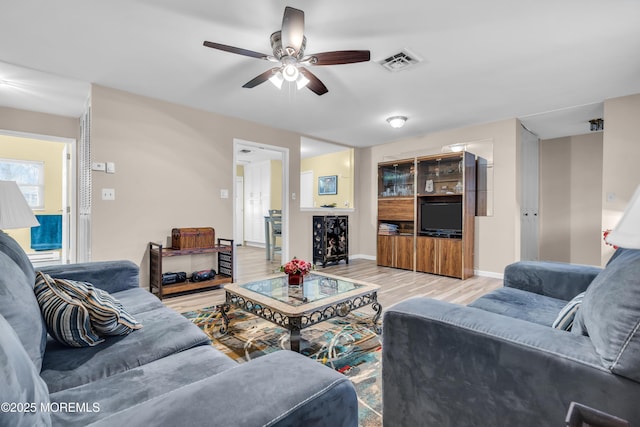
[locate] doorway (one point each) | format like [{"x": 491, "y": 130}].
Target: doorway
[
  {"x": 265, "y": 176},
  {"x": 44, "y": 168}
]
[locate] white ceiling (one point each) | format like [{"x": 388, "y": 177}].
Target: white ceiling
[{"x": 549, "y": 62}]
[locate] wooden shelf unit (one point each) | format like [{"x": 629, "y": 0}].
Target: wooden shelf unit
[
  {"x": 223, "y": 250},
  {"x": 403, "y": 187},
  {"x": 396, "y": 206}
]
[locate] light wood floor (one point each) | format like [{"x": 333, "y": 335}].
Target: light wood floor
[{"x": 396, "y": 285}]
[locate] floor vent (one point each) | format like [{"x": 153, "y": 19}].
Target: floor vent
[{"x": 400, "y": 61}]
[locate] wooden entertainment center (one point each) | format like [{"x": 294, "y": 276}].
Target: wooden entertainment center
[{"x": 426, "y": 210}]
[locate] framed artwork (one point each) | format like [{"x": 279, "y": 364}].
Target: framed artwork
[{"x": 328, "y": 185}]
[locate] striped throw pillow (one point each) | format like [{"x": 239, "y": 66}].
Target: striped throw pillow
[
  {"x": 68, "y": 321},
  {"x": 108, "y": 316},
  {"x": 565, "y": 318}
]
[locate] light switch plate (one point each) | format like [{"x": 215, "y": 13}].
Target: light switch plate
[
  {"x": 111, "y": 167},
  {"x": 224, "y": 193},
  {"x": 98, "y": 166}
]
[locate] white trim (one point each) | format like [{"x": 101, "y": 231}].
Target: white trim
[
  {"x": 42, "y": 137},
  {"x": 363, "y": 256},
  {"x": 489, "y": 274},
  {"x": 327, "y": 210}
]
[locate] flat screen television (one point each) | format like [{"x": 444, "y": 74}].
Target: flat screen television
[{"x": 441, "y": 218}]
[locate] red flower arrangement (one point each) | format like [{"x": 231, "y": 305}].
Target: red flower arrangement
[{"x": 297, "y": 266}]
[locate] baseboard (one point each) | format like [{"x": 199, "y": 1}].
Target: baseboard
[
  {"x": 489, "y": 274},
  {"x": 363, "y": 256}
]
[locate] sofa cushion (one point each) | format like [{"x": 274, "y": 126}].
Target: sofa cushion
[
  {"x": 565, "y": 318},
  {"x": 165, "y": 332},
  {"x": 610, "y": 314},
  {"x": 138, "y": 300},
  {"x": 258, "y": 393},
  {"x": 21, "y": 384},
  {"x": 18, "y": 304},
  {"x": 110, "y": 276},
  {"x": 133, "y": 387},
  {"x": 521, "y": 304},
  {"x": 108, "y": 316}
]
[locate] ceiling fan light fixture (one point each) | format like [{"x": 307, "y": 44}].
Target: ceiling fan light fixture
[
  {"x": 302, "y": 81},
  {"x": 277, "y": 79},
  {"x": 397, "y": 121},
  {"x": 290, "y": 72}
]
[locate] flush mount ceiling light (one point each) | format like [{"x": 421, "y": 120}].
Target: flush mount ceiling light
[{"x": 397, "y": 121}]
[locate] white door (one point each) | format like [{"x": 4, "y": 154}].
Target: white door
[
  {"x": 257, "y": 196},
  {"x": 529, "y": 202},
  {"x": 306, "y": 189},
  {"x": 239, "y": 218}
]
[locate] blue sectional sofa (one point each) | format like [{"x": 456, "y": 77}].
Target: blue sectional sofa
[
  {"x": 166, "y": 373},
  {"x": 500, "y": 362}
]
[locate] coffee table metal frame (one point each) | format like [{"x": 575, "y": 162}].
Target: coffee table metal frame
[{"x": 298, "y": 317}]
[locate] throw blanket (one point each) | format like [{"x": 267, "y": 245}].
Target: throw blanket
[{"x": 48, "y": 235}]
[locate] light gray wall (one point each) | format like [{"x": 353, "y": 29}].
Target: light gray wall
[{"x": 570, "y": 199}]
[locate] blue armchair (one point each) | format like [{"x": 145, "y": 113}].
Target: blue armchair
[{"x": 499, "y": 361}]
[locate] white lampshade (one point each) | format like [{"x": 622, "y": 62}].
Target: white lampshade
[
  {"x": 14, "y": 210},
  {"x": 627, "y": 232}
]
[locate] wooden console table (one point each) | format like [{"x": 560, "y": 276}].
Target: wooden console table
[{"x": 224, "y": 251}]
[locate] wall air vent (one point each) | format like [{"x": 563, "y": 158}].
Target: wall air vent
[{"x": 400, "y": 61}]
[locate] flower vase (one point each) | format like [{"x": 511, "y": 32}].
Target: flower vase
[{"x": 295, "y": 279}]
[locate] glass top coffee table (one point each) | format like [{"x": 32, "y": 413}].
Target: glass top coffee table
[{"x": 321, "y": 297}]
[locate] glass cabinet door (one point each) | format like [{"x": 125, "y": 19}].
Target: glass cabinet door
[
  {"x": 441, "y": 176},
  {"x": 396, "y": 179}
]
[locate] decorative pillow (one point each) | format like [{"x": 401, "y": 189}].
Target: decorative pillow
[
  {"x": 68, "y": 321},
  {"x": 610, "y": 314},
  {"x": 108, "y": 316},
  {"x": 565, "y": 318}
]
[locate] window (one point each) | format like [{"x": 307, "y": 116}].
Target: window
[{"x": 30, "y": 178}]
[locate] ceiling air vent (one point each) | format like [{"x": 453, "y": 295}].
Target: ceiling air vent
[{"x": 400, "y": 61}]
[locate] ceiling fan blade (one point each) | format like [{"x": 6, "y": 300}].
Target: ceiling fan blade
[
  {"x": 339, "y": 57},
  {"x": 237, "y": 50},
  {"x": 261, "y": 78},
  {"x": 292, "y": 32},
  {"x": 314, "y": 85}
]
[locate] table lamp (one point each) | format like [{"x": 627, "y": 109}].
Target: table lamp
[
  {"x": 14, "y": 210},
  {"x": 627, "y": 232}
]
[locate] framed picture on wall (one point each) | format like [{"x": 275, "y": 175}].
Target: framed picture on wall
[{"x": 328, "y": 185}]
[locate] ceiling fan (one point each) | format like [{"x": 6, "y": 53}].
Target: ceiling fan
[{"x": 288, "y": 46}]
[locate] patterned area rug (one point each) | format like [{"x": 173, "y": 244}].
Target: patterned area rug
[{"x": 349, "y": 345}]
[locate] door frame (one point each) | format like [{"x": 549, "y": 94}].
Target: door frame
[
  {"x": 238, "y": 195},
  {"x": 284, "y": 151},
  {"x": 69, "y": 188}
]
